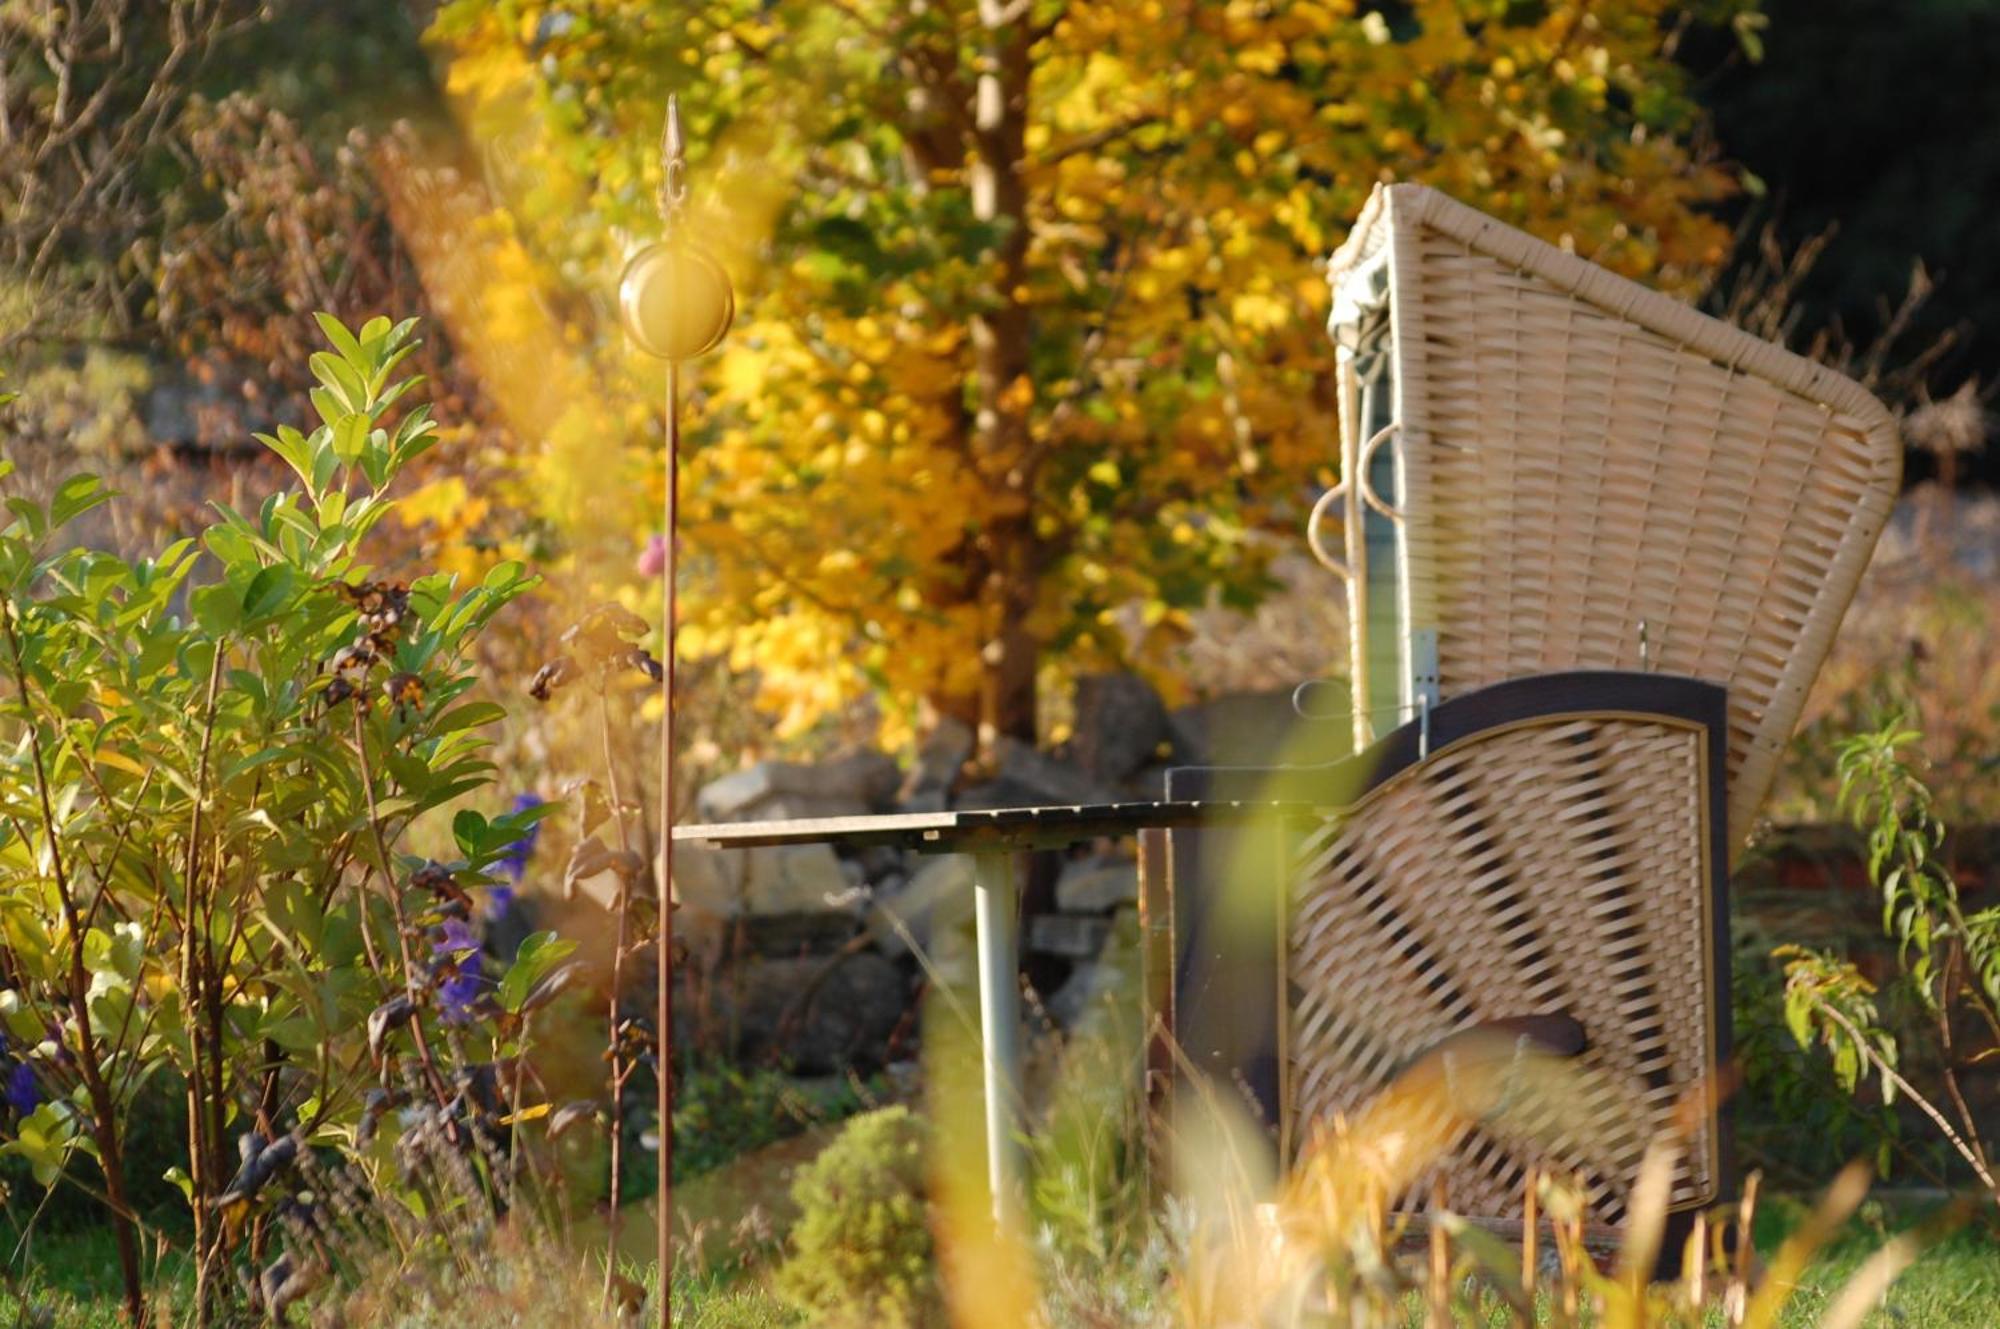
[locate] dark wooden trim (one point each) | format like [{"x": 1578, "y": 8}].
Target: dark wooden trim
[{"x": 1588, "y": 691}]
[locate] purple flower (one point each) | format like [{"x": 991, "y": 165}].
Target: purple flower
[
  {"x": 514, "y": 859},
  {"x": 653, "y": 558},
  {"x": 498, "y": 901},
  {"x": 458, "y": 994},
  {"x": 456, "y": 943},
  {"x": 23, "y": 1092}
]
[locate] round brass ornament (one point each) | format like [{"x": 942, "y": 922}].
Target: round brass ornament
[{"x": 676, "y": 300}]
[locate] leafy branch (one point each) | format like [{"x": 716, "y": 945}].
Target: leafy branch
[{"x": 1950, "y": 960}]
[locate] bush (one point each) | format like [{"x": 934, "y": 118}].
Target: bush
[
  {"x": 722, "y": 1112},
  {"x": 862, "y": 1246},
  {"x": 211, "y": 764}
]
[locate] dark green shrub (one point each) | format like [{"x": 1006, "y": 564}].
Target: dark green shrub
[
  {"x": 722, "y": 1112},
  {"x": 861, "y": 1250}
]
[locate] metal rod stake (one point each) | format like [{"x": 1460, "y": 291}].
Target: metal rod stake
[
  {"x": 665, "y": 1015},
  {"x": 994, "y": 898}
]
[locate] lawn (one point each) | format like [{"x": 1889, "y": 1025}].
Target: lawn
[{"x": 72, "y": 1278}]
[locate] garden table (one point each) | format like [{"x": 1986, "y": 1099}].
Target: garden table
[{"x": 994, "y": 838}]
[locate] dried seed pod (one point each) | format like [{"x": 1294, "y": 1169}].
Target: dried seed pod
[
  {"x": 569, "y": 1114},
  {"x": 436, "y": 878},
  {"x": 391, "y": 1015},
  {"x": 404, "y": 691},
  {"x": 556, "y": 673}
]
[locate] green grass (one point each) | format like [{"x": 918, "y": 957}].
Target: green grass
[
  {"x": 73, "y": 1276},
  {"x": 1955, "y": 1283}
]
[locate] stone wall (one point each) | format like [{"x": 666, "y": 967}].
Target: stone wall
[{"x": 817, "y": 957}]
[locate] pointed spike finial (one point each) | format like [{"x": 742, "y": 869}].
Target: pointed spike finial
[
  {"x": 672, "y": 145},
  {"x": 673, "y": 164}
]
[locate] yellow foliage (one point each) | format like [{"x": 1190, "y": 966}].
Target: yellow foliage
[{"x": 916, "y": 435}]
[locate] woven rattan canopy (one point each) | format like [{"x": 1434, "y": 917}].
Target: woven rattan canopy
[{"x": 1575, "y": 472}]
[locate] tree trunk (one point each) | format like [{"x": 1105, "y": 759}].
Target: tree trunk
[{"x": 1010, "y": 552}]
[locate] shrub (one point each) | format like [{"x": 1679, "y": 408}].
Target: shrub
[
  {"x": 722, "y": 1112},
  {"x": 210, "y": 761},
  {"x": 1948, "y": 960},
  {"x": 862, "y": 1246}
]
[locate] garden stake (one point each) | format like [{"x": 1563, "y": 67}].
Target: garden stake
[{"x": 676, "y": 303}]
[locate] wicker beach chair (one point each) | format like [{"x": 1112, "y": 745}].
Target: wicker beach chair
[
  {"x": 1541, "y": 860},
  {"x": 1550, "y": 467}
]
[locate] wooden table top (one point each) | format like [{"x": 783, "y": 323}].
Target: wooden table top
[{"x": 997, "y": 828}]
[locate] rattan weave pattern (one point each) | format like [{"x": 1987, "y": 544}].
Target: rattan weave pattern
[
  {"x": 1582, "y": 455},
  {"x": 1553, "y": 866}
]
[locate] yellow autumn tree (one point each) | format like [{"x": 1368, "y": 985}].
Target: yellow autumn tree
[{"x": 1030, "y": 339}]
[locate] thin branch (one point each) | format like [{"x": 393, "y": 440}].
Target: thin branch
[
  {"x": 1091, "y": 142},
  {"x": 1895, "y": 1077}
]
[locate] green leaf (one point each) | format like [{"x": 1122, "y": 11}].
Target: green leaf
[
  {"x": 76, "y": 496},
  {"x": 504, "y": 575},
  {"x": 291, "y": 445},
  {"x": 350, "y": 438},
  {"x": 343, "y": 340},
  {"x": 469, "y": 716},
  {"x": 538, "y": 956},
  {"x": 268, "y": 592},
  {"x": 31, "y": 516},
  {"x": 1798, "y": 1018},
  {"x": 468, "y": 828},
  {"x": 340, "y": 379},
  {"x": 19, "y": 1019},
  {"x": 218, "y": 608}
]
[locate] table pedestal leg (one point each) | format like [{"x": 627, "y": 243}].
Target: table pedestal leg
[{"x": 1000, "y": 1023}]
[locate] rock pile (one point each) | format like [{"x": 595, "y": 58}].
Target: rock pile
[{"x": 815, "y": 957}]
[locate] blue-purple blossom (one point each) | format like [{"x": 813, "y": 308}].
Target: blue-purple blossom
[
  {"x": 457, "y": 942},
  {"x": 514, "y": 859},
  {"x": 23, "y": 1092},
  {"x": 458, "y": 994}
]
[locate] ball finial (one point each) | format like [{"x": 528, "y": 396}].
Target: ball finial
[
  {"x": 676, "y": 300},
  {"x": 674, "y": 297}
]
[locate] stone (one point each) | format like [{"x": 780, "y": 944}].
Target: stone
[
  {"x": 794, "y": 879},
  {"x": 1149, "y": 783},
  {"x": 1103, "y": 994},
  {"x": 940, "y": 756},
  {"x": 859, "y": 782},
  {"x": 1027, "y": 778},
  {"x": 1069, "y": 935},
  {"x": 938, "y": 897},
  {"x": 1121, "y": 726},
  {"x": 1238, "y": 727},
  {"x": 1090, "y": 984},
  {"x": 926, "y": 800},
  {"x": 818, "y": 933},
  {"x": 881, "y": 860},
  {"x": 1097, "y": 884},
  {"x": 709, "y": 880},
  {"x": 814, "y": 1015}
]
